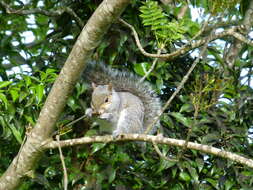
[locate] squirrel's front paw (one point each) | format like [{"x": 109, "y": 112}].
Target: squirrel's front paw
[
  {"x": 88, "y": 112},
  {"x": 107, "y": 116}
]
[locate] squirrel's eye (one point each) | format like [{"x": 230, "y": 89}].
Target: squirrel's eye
[{"x": 106, "y": 99}]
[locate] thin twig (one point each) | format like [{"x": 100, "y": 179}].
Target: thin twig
[
  {"x": 75, "y": 16},
  {"x": 76, "y": 120},
  {"x": 152, "y": 67},
  {"x": 183, "y": 11},
  {"x": 69, "y": 124},
  {"x": 202, "y": 29},
  {"x": 196, "y": 112},
  {"x": 65, "y": 180},
  {"x": 161, "y": 154},
  {"x": 197, "y": 108}
]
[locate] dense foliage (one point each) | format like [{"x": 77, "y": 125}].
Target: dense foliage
[{"x": 215, "y": 107}]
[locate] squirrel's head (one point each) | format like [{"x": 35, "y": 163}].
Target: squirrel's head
[{"x": 101, "y": 98}]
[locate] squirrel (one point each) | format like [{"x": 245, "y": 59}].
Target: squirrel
[{"x": 119, "y": 97}]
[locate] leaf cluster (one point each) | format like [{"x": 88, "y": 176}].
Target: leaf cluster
[
  {"x": 212, "y": 108},
  {"x": 165, "y": 30}
]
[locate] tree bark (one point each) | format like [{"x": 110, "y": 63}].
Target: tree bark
[
  {"x": 91, "y": 35},
  {"x": 236, "y": 47}
]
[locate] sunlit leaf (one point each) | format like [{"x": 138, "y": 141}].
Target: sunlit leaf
[
  {"x": 4, "y": 83},
  {"x": 39, "y": 92},
  {"x": 184, "y": 120},
  {"x": 14, "y": 94},
  {"x": 97, "y": 146},
  {"x": 16, "y": 133},
  {"x": 184, "y": 176},
  {"x": 4, "y": 100}
]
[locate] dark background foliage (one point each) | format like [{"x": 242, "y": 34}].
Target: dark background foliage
[{"x": 213, "y": 108}]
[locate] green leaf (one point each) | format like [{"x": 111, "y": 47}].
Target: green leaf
[
  {"x": 229, "y": 184},
  {"x": 4, "y": 100},
  {"x": 14, "y": 94},
  {"x": 43, "y": 76},
  {"x": 122, "y": 157},
  {"x": 141, "y": 68},
  {"x": 184, "y": 176},
  {"x": 11, "y": 110},
  {"x": 50, "y": 172},
  {"x": 39, "y": 92},
  {"x": 167, "y": 120},
  {"x": 81, "y": 88},
  {"x": 174, "y": 172},
  {"x": 97, "y": 146},
  {"x": 50, "y": 71},
  {"x": 91, "y": 132},
  {"x": 165, "y": 164},
  {"x": 185, "y": 121},
  {"x": 22, "y": 96},
  {"x": 28, "y": 81},
  {"x": 200, "y": 164},
  {"x": 5, "y": 132},
  {"x": 72, "y": 103},
  {"x": 4, "y": 83},
  {"x": 17, "y": 58},
  {"x": 186, "y": 108},
  {"x": 112, "y": 175},
  {"x": 213, "y": 182},
  {"x": 29, "y": 119},
  {"x": 16, "y": 133},
  {"x": 31, "y": 101},
  {"x": 177, "y": 186},
  {"x": 210, "y": 138},
  {"x": 159, "y": 84},
  {"x": 194, "y": 174},
  {"x": 41, "y": 179}
]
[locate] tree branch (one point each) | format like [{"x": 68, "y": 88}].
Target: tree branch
[
  {"x": 221, "y": 24},
  {"x": 65, "y": 179},
  {"x": 152, "y": 66},
  {"x": 54, "y": 13},
  {"x": 189, "y": 46},
  {"x": 22, "y": 11},
  {"x": 236, "y": 47},
  {"x": 151, "y": 138}
]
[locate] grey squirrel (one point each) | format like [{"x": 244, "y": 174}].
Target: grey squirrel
[{"x": 120, "y": 98}]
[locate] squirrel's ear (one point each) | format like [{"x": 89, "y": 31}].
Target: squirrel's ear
[
  {"x": 109, "y": 87},
  {"x": 94, "y": 85}
]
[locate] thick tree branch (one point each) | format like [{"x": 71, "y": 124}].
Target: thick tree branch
[
  {"x": 151, "y": 138},
  {"x": 91, "y": 35},
  {"x": 236, "y": 47}
]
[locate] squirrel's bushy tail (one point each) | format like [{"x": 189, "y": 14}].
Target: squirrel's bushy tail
[{"x": 101, "y": 74}]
